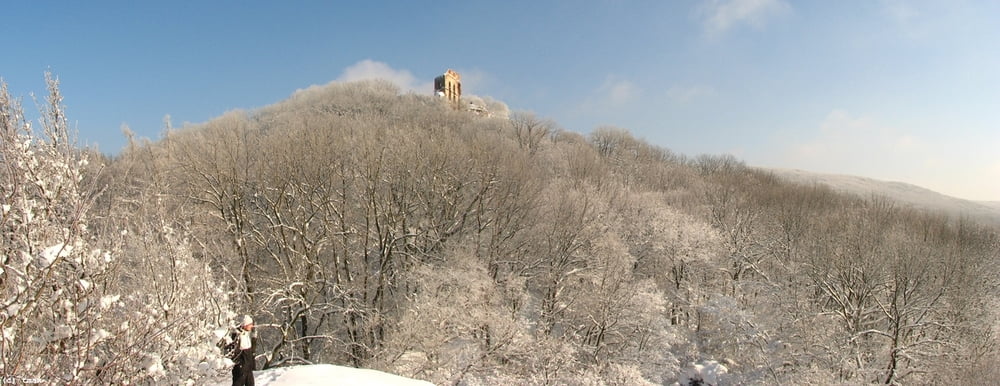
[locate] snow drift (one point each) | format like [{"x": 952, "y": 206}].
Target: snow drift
[{"x": 328, "y": 375}]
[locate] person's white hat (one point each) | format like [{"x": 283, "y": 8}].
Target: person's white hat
[{"x": 247, "y": 320}]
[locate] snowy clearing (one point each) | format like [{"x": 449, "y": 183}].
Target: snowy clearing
[{"x": 328, "y": 375}]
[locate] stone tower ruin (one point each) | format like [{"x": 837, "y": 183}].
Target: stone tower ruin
[{"x": 449, "y": 87}]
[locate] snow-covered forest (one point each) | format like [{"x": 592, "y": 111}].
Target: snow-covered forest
[{"x": 368, "y": 228}]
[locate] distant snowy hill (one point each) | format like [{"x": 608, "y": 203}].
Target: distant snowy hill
[
  {"x": 328, "y": 375},
  {"x": 986, "y": 212}
]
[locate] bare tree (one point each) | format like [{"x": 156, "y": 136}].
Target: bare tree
[
  {"x": 80, "y": 304},
  {"x": 530, "y": 130}
]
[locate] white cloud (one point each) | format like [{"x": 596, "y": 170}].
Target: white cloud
[
  {"x": 722, "y": 15},
  {"x": 370, "y": 69},
  {"x": 607, "y": 102},
  {"x": 931, "y": 20},
  {"x": 613, "y": 94},
  {"x": 617, "y": 92}
]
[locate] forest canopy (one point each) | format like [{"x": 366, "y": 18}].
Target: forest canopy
[{"x": 366, "y": 227}]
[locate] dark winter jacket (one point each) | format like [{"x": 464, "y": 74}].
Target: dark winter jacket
[{"x": 242, "y": 358}]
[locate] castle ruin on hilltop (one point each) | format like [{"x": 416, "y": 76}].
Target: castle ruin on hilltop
[{"x": 449, "y": 87}]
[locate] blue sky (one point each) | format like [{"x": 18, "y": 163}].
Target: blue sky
[{"x": 895, "y": 89}]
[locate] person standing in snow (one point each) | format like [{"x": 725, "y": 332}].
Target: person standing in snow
[{"x": 242, "y": 343}]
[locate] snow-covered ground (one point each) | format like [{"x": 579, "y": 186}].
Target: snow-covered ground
[{"x": 328, "y": 375}]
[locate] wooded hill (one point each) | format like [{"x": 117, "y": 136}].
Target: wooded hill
[
  {"x": 376, "y": 229},
  {"x": 984, "y": 212}
]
